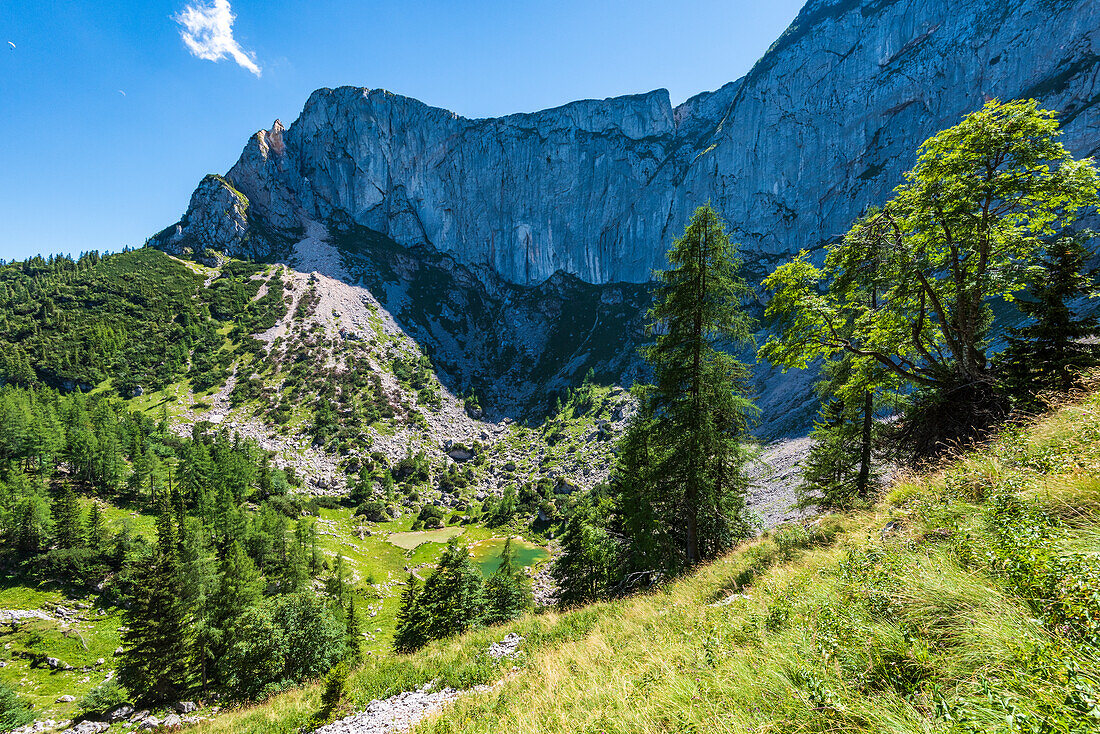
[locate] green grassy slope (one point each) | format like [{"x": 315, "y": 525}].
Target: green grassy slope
[
  {"x": 965, "y": 601},
  {"x": 376, "y": 567}
]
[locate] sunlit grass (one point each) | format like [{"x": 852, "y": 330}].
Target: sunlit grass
[{"x": 843, "y": 626}]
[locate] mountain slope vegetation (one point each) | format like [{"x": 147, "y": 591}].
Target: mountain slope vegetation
[{"x": 964, "y": 601}]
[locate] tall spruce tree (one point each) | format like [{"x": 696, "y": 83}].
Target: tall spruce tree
[
  {"x": 238, "y": 586},
  {"x": 583, "y": 568},
  {"x": 156, "y": 659},
  {"x": 508, "y": 590},
  {"x": 682, "y": 479},
  {"x": 68, "y": 519},
  {"x": 412, "y": 622},
  {"x": 96, "y": 533},
  {"x": 1051, "y": 351},
  {"x": 454, "y": 595}
]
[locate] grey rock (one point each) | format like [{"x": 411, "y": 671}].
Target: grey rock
[
  {"x": 184, "y": 707},
  {"x": 89, "y": 727},
  {"x": 823, "y": 125},
  {"x": 217, "y": 221},
  {"x": 65, "y": 699},
  {"x": 460, "y": 453},
  {"x": 507, "y": 647},
  {"x": 118, "y": 713},
  {"x": 394, "y": 714}
]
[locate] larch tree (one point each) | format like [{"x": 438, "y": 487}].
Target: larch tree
[{"x": 681, "y": 473}]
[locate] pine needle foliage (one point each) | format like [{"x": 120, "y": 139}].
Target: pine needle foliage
[{"x": 681, "y": 473}]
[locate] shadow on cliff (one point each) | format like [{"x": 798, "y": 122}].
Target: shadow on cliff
[{"x": 518, "y": 348}]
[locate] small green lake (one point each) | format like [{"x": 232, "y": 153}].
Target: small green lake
[{"x": 486, "y": 554}]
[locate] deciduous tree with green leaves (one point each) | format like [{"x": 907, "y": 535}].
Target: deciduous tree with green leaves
[
  {"x": 681, "y": 475},
  {"x": 907, "y": 292}
]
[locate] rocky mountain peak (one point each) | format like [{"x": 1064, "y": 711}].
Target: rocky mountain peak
[{"x": 822, "y": 126}]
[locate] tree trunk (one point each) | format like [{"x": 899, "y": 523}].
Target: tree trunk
[{"x": 864, "y": 478}]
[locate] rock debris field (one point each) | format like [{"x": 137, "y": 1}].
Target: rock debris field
[{"x": 401, "y": 712}]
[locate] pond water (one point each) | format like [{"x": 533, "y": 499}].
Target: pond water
[{"x": 486, "y": 554}]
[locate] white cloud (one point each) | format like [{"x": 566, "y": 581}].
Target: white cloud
[{"x": 206, "y": 28}]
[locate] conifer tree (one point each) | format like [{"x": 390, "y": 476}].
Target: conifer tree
[
  {"x": 337, "y": 584},
  {"x": 156, "y": 659},
  {"x": 110, "y": 466},
  {"x": 839, "y": 469},
  {"x": 46, "y": 437},
  {"x": 689, "y": 477},
  {"x": 68, "y": 520},
  {"x": 1051, "y": 351},
  {"x": 412, "y": 622},
  {"x": 454, "y": 594},
  {"x": 263, "y": 484},
  {"x": 35, "y": 523},
  {"x": 95, "y": 534},
  {"x": 582, "y": 569},
  {"x": 238, "y": 587},
  {"x": 139, "y": 473},
  {"x": 508, "y": 590},
  {"x": 296, "y": 568},
  {"x": 353, "y": 633}
]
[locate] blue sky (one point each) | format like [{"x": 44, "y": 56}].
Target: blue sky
[{"x": 108, "y": 119}]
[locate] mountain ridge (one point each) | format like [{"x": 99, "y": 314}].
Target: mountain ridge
[{"x": 821, "y": 127}]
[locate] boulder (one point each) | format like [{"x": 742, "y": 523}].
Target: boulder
[
  {"x": 184, "y": 707},
  {"x": 458, "y": 452},
  {"x": 118, "y": 713},
  {"x": 564, "y": 486}
]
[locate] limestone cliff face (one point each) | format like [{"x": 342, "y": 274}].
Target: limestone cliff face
[
  {"x": 217, "y": 220},
  {"x": 823, "y": 126}
]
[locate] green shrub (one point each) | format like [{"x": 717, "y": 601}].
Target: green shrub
[
  {"x": 373, "y": 511},
  {"x": 104, "y": 696},
  {"x": 14, "y": 712}
]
